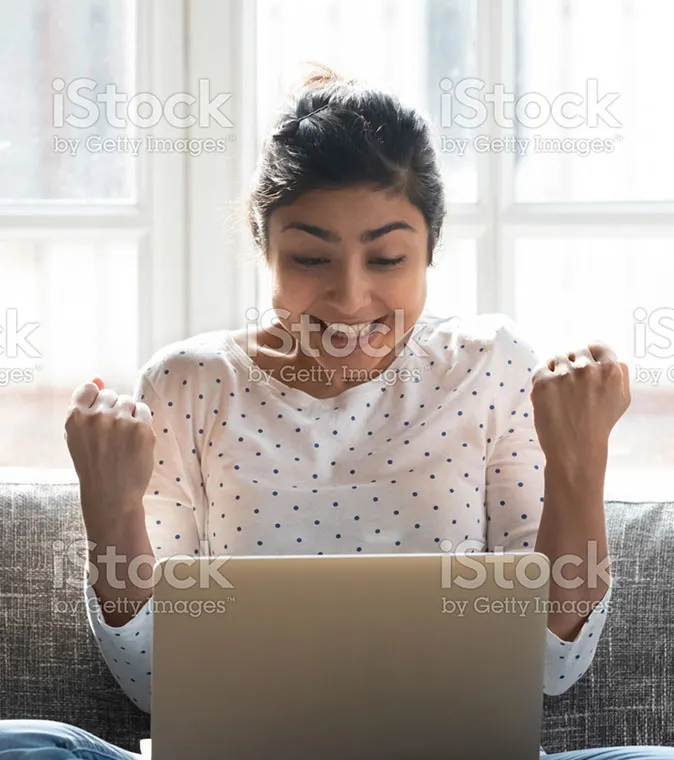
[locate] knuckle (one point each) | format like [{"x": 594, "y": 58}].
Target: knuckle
[
  {"x": 597, "y": 344},
  {"x": 78, "y": 418},
  {"x": 611, "y": 369},
  {"x": 542, "y": 385},
  {"x": 135, "y": 424},
  {"x": 109, "y": 395},
  {"x": 143, "y": 408},
  {"x": 599, "y": 348},
  {"x": 585, "y": 369},
  {"x": 73, "y": 417}
]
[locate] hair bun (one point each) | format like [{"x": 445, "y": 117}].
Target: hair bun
[
  {"x": 320, "y": 75},
  {"x": 311, "y": 75}
]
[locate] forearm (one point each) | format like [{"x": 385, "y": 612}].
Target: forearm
[
  {"x": 573, "y": 526},
  {"x": 121, "y": 561}
]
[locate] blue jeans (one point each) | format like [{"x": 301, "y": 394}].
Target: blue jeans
[{"x": 49, "y": 740}]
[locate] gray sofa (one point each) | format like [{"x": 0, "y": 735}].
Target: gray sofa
[{"x": 50, "y": 666}]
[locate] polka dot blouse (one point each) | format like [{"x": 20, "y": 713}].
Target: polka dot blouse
[{"x": 438, "y": 454}]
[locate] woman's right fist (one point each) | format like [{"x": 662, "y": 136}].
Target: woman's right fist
[{"x": 111, "y": 442}]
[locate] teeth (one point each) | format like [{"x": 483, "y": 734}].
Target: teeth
[
  {"x": 340, "y": 327},
  {"x": 343, "y": 327},
  {"x": 346, "y": 329}
]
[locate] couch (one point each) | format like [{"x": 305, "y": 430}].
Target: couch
[{"x": 50, "y": 666}]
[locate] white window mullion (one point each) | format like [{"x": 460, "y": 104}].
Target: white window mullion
[
  {"x": 486, "y": 243},
  {"x": 162, "y": 296},
  {"x": 618, "y": 215},
  {"x": 495, "y": 169},
  {"x": 561, "y": 228},
  {"x": 221, "y": 49},
  {"x": 503, "y": 73}
]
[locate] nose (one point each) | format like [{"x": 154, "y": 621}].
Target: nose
[{"x": 349, "y": 291}]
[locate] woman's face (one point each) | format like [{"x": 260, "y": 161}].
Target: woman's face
[{"x": 348, "y": 275}]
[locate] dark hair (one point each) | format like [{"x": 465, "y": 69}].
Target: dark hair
[{"x": 337, "y": 133}]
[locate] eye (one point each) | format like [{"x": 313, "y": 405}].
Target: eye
[
  {"x": 308, "y": 261},
  {"x": 389, "y": 262}
]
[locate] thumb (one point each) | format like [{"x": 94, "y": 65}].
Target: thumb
[{"x": 99, "y": 383}]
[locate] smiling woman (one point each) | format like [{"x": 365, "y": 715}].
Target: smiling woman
[
  {"x": 421, "y": 438},
  {"x": 347, "y": 206},
  {"x": 352, "y": 289}
]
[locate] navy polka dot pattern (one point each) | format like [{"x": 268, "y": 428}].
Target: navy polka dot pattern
[{"x": 442, "y": 456}]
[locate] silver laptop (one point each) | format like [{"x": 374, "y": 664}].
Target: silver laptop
[{"x": 349, "y": 657}]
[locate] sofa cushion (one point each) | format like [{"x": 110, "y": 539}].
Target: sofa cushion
[
  {"x": 627, "y": 695},
  {"x": 50, "y": 666}
]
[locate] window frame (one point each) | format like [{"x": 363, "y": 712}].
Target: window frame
[{"x": 198, "y": 270}]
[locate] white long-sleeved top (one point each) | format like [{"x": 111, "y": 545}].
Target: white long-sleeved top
[{"x": 441, "y": 448}]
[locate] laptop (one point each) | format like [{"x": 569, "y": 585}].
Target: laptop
[{"x": 349, "y": 657}]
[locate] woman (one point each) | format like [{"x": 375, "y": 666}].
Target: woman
[{"x": 354, "y": 422}]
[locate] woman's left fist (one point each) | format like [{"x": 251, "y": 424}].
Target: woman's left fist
[{"x": 577, "y": 399}]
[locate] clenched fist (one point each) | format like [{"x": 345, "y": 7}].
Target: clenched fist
[
  {"x": 111, "y": 442},
  {"x": 577, "y": 399}
]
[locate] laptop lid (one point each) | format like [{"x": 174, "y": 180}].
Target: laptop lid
[{"x": 374, "y": 657}]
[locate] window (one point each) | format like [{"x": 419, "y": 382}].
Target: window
[
  {"x": 565, "y": 224},
  {"x": 83, "y": 291},
  {"x": 562, "y": 218}
]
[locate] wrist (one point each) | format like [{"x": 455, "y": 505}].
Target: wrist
[
  {"x": 100, "y": 498},
  {"x": 113, "y": 522},
  {"x": 588, "y": 459},
  {"x": 576, "y": 474}
]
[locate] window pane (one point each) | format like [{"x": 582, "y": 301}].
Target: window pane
[
  {"x": 566, "y": 46},
  {"x": 571, "y": 292},
  {"x": 409, "y": 48},
  {"x": 452, "y": 56},
  {"x": 575, "y": 290},
  {"x": 69, "y": 312},
  {"x": 452, "y": 280},
  {"x": 45, "y": 47}
]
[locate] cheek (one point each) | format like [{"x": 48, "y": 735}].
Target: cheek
[
  {"x": 407, "y": 292},
  {"x": 291, "y": 292}
]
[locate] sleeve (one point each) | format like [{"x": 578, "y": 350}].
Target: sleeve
[
  {"x": 175, "y": 509},
  {"x": 514, "y": 496}
]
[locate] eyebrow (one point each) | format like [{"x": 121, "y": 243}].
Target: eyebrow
[{"x": 331, "y": 237}]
